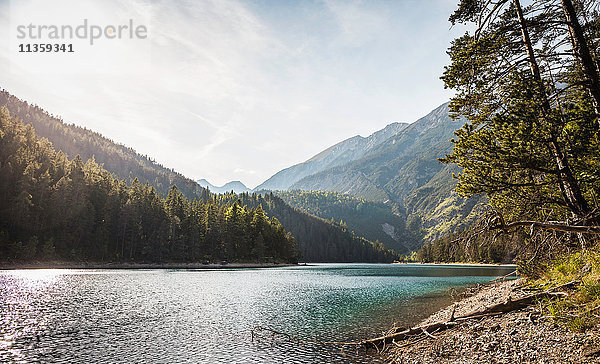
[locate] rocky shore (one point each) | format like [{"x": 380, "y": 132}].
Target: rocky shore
[{"x": 521, "y": 336}]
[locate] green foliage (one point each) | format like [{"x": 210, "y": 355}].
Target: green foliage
[
  {"x": 530, "y": 141},
  {"x": 435, "y": 209},
  {"x": 412, "y": 257},
  {"x": 80, "y": 212},
  {"x": 30, "y": 248},
  {"x": 581, "y": 266},
  {"x": 48, "y": 251},
  {"x": 579, "y": 310}
]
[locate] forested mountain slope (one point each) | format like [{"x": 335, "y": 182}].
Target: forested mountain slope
[
  {"x": 435, "y": 209},
  {"x": 121, "y": 161},
  {"x": 318, "y": 240},
  {"x": 374, "y": 220},
  {"x": 53, "y": 208}
]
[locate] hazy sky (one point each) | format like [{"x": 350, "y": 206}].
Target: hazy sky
[{"x": 234, "y": 90}]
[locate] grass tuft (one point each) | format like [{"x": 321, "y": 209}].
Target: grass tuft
[{"x": 581, "y": 309}]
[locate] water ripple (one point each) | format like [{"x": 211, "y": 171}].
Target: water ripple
[{"x": 165, "y": 316}]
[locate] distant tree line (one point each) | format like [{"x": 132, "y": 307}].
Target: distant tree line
[
  {"x": 319, "y": 240},
  {"x": 53, "y": 208},
  {"x": 454, "y": 248}
]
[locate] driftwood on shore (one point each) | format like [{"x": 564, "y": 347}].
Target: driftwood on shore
[{"x": 379, "y": 343}]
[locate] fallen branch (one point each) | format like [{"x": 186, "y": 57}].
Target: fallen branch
[
  {"x": 429, "y": 334},
  {"x": 503, "y": 278},
  {"x": 457, "y": 320},
  {"x": 496, "y": 309}
]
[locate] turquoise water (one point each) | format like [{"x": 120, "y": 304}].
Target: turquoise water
[{"x": 207, "y": 316}]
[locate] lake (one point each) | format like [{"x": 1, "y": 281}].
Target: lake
[{"x": 207, "y": 316}]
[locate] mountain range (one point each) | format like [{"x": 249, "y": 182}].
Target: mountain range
[
  {"x": 344, "y": 152},
  {"x": 401, "y": 195},
  {"x": 397, "y": 166},
  {"x": 235, "y": 186},
  {"x": 318, "y": 239},
  {"x": 406, "y": 196},
  {"x": 385, "y": 166}
]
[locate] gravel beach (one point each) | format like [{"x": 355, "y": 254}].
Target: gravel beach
[{"x": 521, "y": 336}]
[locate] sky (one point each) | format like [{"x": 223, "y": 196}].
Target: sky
[{"x": 231, "y": 89}]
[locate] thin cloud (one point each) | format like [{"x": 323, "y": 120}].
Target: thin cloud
[
  {"x": 235, "y": 90},
  {"x": 359, "y": 23}
]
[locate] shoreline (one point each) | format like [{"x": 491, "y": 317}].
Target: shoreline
[
  {"x": 118, "y": 265},
  {"x": 522, "y": 335},
  {"x": 499, "y": 265},
  {"x": 199, "y": 266}
]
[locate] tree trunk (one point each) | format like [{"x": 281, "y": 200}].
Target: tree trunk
[
  {"x": 583, "y": 55},
  {"x": 568, "y": 184},
  {"x": 533, "y": 65}
]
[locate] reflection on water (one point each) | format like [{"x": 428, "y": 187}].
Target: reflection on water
[{"x": 207, "y": 316}]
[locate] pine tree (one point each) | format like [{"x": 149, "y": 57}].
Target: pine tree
[{"x": 530, "y": 140}]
